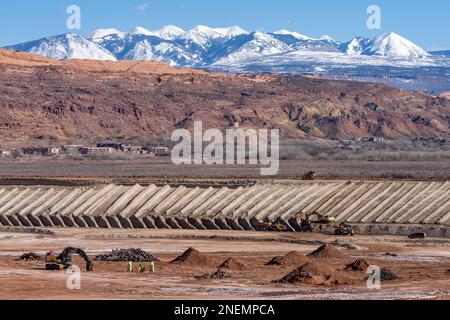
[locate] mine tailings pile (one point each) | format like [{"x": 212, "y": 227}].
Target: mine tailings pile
[
  {"x": 327, "y": 251},
  {"x": 233, "y": 264},
  {"x": 126, "y": 255},
  {"x": 291, "y": 259},
  {"x": 313, "y": 274},
  {"x": 193, "y": 258}
]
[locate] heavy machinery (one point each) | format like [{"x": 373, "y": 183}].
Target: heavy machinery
[
  {"x": 64, "y": 259},
  {"x": 317, "y": 222},
  {"x": 344, "y": 229},
  {"x": 270, "y": 226},
  {"x": 311, "y": 175}
]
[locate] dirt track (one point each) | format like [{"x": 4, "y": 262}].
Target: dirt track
[{"x": 422, "y": 267}]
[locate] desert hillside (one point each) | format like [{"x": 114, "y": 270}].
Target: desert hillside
[{"x": 79, "y": 101}]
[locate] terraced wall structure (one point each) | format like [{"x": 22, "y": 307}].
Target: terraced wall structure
[{"x": 371, "y": 207}]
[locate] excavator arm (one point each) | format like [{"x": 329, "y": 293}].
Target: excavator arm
[{"x": 66, "y": 258}]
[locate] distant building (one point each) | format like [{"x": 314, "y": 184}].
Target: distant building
[
  {"x": 5, "y": 153},
  {"x": 90, "y": 152},
  {"x": 159, "y": 151},
  {"x": 115, "y": 146}
]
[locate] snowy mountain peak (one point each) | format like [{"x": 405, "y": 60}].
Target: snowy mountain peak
[
  {"x": 66, "y": 46},
  {"x": 101, "y": 33},
  {"x": 394, "y": 45},
  {"x": 327, "y": 38},
  {"x": 292, "y": 33},
  {"x": 142, "y": 31},
  {"x": 214, "y": 33},
  {"x": 169, "y": 32}
]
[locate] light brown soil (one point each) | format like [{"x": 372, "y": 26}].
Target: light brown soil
[
  {"x": 421, "y": 267},
  {"x": 314, "y": 274},
  {"x": 233, "y": 264},
  {"x": 327, "y": 251},
  {"x": 290, "y": 259},
  {"x": 193, "y": 258}
]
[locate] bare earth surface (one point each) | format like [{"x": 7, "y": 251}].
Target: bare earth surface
[
  {"x": 422, "y": 267},
  {"x": 163, "y": 168}
]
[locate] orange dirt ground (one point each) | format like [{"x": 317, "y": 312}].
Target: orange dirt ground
[{"x": 422, "y": 266}]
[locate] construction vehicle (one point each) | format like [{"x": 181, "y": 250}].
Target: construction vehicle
[
  {"x": 270, "y": 226},
  {"x": 311, "y": 175},
  {"x": 64, "y": 259},
  {"x": 418, "y": 235},
  {"x": 344, "y": 229},
  {"x": 317, "y": 222}
]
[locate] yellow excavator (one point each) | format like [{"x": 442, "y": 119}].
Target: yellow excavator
[
  {"x": 316, "y": 219},
  {"x": 64, "y": 259},
  {"x": 270, "y": 226}
]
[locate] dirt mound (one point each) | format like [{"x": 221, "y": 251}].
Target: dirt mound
[
  {"x": 326, "y": 251},
  {"x": 126, "y": 255},
  {"x": 218, "y": 275},
  {"x": 194, "y": 258},
  {"x": 30, "y": 256},
  {"x": 291, "y": 259},
  {"x": 314, "y": 274},
  {"x": 388, "y": 275},
  {"x": 359, "y": 265},
  {"x": 233, "y": 264}
]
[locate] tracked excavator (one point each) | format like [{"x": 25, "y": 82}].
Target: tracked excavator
[
  {"x": 64, "y": 259},
  {"x": 270, "y": 226},
  {"x": 318, "y": 222}
]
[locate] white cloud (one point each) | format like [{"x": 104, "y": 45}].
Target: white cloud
[{"x": 142, "y": 7}]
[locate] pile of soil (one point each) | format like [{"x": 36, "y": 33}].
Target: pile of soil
[
  {"x": 126, "y": 255},
  {"x": 313, "y": 274},
  {"x": 291, "y": 259},
  {"x": 30, "y": 256},
  {"x": 218, "y": 275},
  {"x": 233, "y": 264},
  {"x": 359, "y": 265},
  {"x": 326, "y": 251},
  {"x": 388, "y": 275},
  {"x": 193, "y": 258}
]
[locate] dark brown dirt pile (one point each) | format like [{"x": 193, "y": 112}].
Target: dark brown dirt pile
[
  {"x": 326, "y": 251},
  {"x": 233, "y": 264},
  {"x": 313, "y": 274},
  {"x": 126, "y": 255},
  {"x": 291, "y": 259},
  {"x": 193, "y": 258},
  {"x": 218, "y": 275},
  {"x": 388, "y": 275},
  {"x": 30, "y": 256},
  {"x": 359, "y": 265}
]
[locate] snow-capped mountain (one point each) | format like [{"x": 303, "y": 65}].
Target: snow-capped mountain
[
  {"x": 356, "y": 46},
  {"x": 204, "y": 46},
  {"x": 293, "y": 34},
  {"x": 101, "y": 33},
  {"x": 394, "y": 45},
  {"x": 255, "y": 45},
  {"x": 66, "y": 46}
]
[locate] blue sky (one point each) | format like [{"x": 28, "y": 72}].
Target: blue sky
[{"x": 425, "y": 22}]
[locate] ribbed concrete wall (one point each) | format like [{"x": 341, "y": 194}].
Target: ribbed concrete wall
[{"x": 112, "y": 206}]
